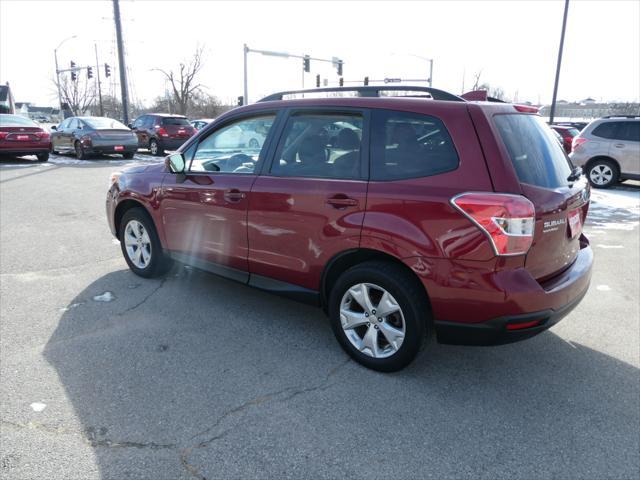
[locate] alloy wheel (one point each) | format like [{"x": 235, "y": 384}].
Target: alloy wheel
[
  {"x": 372, "y": 320},
  {"x": 153, "y": 147},
  {"x": 137, "y": 244},
  {"x": 601, "y": 174}
]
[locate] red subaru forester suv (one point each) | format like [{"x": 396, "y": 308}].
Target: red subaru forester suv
[{"x": 400, "y": 216}]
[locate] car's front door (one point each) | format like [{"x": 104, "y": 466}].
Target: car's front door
[
  {"x": 204, "y": 212},
  {"x": 58, "y": 142},
  {"x": 309, "y": 204}
]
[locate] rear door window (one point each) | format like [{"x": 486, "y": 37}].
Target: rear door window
[
  {"x": 630, "y": 131},
  {"x": 407, "y": 145},
  {"x": 533, "y": 150},
  {"x": 610, "y": 130}
]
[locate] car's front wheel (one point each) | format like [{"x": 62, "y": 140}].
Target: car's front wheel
[
  {"x": 602, "y": 173},
  {"x": 128, "y": 155},
  {"x": 379, "y": 314},
  {"x": 141, "y": 246}
]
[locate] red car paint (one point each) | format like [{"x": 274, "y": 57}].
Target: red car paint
[
  {"x": 21, "y": 136},
  {"x": 258, "y": 228}
]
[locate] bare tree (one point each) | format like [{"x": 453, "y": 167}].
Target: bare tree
[
  {"x": 183, "y": 81},
  {"x": 79, "y": 95},
  {"x": 476, "y": 81},
  {"x": 624, "y": 108}
]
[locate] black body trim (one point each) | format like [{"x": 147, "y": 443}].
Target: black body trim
[{"x": 494, "y": 332}]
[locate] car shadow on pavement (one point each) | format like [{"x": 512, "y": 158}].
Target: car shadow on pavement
[{"x": 192, "y": 376}]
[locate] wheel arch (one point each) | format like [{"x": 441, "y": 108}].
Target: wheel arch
[
  {"x": 123, "y": 207},
  {"x": 592, "y": 160},
  {"x": 341, "y": 262}
]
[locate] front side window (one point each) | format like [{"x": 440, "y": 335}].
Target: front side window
[
  {"x": 320, "y": 146},
  {"x": 234, "y": 148},
  {"x": 407, "y": 145}
]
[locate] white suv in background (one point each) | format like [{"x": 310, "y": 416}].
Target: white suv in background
[{"x": 608, "y": 150}]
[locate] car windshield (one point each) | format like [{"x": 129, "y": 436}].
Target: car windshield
[
  {"x": 101, "y": 123},
  {"x": 16, "y": 121},
  {"x": 534, "y": 150},
  {"x": 175, "y": 121}
]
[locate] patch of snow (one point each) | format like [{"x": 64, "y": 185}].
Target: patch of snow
[
  {"x": 38, "y": 406},
  {"x": 105, "y": 297},
  {"x": 603, "y": 288},
  {"x": 609, "y": 246},
  {"x": 70, "y": 307},
  {"x": 115, "y": 241}
]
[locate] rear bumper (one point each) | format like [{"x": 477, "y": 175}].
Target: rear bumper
[
  {"x": 171, "y": 143},
  {"x": 26, "y": 150},
  {"x": 103, "y": 149},
  {"x": 519, "y": 306}
]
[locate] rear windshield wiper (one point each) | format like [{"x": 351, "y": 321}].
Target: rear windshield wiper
[{"x": 576, "y": 173}]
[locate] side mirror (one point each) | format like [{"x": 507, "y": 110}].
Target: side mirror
[
  {"x": 53, "y": 127},
  {"x": 175, "y": 163},
  {"x": 130, "y": 126}
]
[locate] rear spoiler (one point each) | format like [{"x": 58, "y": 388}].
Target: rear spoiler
[{"x": 483, "y": 96}]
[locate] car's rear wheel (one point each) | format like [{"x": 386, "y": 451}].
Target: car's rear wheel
[
  {"x": 141, "y": 246},
  {"x": 80, "y": 153},
  {"x": 602, "y": 173},
  {"x": 254, "y": 143},
  {"x": 43, "y": 157},
  {"x": 378, "y": 314},
  {"x": 155, "y": 148},
  {"x": 128, "y": 155}
]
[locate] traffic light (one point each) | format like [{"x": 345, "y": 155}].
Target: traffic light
[
  {"x": 241, "y": 100},
  {"x": 306, "y": 63},
  {"x": 339, "y": 68},
  {"x": 107, "y": 70},
  {"x": 89, "y": 73},
  {"x": 366, "y": 80},
  {"x": 341, "y": 82},
  {"x": 74, "y": 77},
  {"x": 317, "y": 81}
]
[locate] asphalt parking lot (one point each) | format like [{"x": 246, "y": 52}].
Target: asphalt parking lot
[{"x": 105, "y": 375}]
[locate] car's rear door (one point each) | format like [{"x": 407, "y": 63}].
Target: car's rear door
[
  {"x": 626, "y": 148},
  {"x": 204, "y": 211},
  {"x": 309, "y": 203}
]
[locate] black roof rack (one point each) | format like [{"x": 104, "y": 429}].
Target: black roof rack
[
  {"x": 371, "y": 91},
  {"x": 621, "y": 116}
]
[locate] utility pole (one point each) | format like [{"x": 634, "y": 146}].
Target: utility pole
[
  {"x": 123, "y": 72},
  {"x": 98, "y": 80},
  {"x": 555, "y": 86},
  {"x": 431, "y": 72}
]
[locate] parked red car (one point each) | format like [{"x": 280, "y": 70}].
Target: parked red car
[
  {"x": 418, "y": 215},
  {"x": 567, "y": 133},
  {"x": 162, "y": 131},
  {"x": 21, "y": 136}
]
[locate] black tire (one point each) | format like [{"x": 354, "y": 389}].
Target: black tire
[
  {"x": 128, "y": 155},
  {"x": 80, "y": 153},
  {"x": 155, "y": 148},
  {"x": 43, "y": 157},
  {"x": 409, "y": 295},
  {"x": 603, "y": 163},
  {"x": 160, "y": 262}
]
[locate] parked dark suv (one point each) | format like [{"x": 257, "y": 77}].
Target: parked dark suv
[
  {"x": 398, "y": 216},
  {"x": 162, "y": 131}
]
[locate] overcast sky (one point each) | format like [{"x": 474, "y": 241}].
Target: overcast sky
[{"x": 513, "y": 44}]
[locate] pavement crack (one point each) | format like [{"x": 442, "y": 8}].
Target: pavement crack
[
  {"x": 283, "y": 395},
  {"x": 144, "y": 300}
]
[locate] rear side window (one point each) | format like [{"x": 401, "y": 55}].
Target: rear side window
[
  {"x": 408, "y": 145},
  {"x": 609, "y": 130},
  {"x": 534, "y": 151},
  {"x": 630, "y": 131},
  {"x": 175, "y": 121}
]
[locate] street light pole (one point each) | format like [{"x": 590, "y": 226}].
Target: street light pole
[
  {"x": 98, "y": 80},
  {"x": 555, "y": 85},
  {"x": 431, "y": 72},
  {"x": 246, "y": 92},
  {"x": 55, "y": 56}
]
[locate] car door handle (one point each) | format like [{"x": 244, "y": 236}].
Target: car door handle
[
  {"x": 234, "y": 195},
  {"x": 342, "y": 201},
  {"x": 619, "y": 145}
]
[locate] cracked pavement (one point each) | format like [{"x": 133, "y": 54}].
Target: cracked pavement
[{"x": 195, "y": 377}]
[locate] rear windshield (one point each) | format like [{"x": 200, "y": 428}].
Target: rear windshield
[
  {"x": 16, "y": 121},
  {"x": 100, "y": 123},
  {"x": 535, "y": 152},
  {"x": 175, "y": 121}
]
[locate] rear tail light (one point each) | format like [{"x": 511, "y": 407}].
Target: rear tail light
[
  {"x": 43, "y": 135},
  {"x": 576, "y": 142},
  {"x": 4, "y": 135},
  {"x": 162, "y": 132},
  {"x": 523, "y": 325},
  {"x": 507, "y": 220}
]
